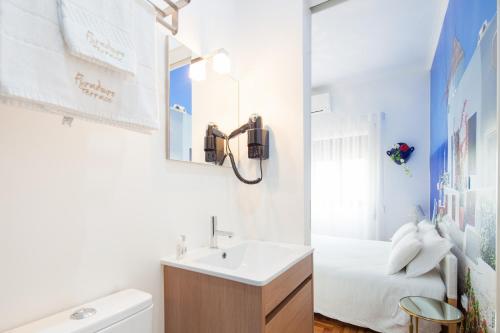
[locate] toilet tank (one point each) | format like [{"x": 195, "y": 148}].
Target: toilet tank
[{"x": 128, "y": 311}]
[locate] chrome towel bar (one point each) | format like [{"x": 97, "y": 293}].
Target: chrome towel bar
[{"x": 172, "y": 9}]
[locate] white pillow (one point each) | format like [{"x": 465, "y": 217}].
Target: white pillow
[
  {"x": 425, "y": 225},
  {"x": 434, "y": 249},
  {"x": 404, "y": 230},
  {"x": 403, "y": 253}
]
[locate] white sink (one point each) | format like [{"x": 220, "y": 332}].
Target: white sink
[{"x": 252, "y": 262}]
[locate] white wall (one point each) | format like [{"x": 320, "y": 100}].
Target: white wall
[
  {"x": 403, "y": 95},
  {"x": 89, "y": 210},
  {"x": 272, "y": 76}
]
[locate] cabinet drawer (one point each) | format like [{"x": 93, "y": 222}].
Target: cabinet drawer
[
  {"x": 295, "y": 315},
  {"x": 276, "y": 291}
]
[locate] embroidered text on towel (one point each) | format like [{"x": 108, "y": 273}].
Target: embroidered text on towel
[
  {"x": 95, "y": 90},
  {"x": 104, "y": 47}
]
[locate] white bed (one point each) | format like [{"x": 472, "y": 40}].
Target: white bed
[{"x": 351, "y": 284}]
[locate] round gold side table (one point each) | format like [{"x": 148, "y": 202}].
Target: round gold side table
[{"x": 430, "y": 309}]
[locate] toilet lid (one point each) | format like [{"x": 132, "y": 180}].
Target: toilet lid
[{"x": 93, "y": 316}]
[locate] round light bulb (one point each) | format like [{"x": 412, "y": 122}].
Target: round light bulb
[
  {"x": 198, "y": 70},
  {"x": 221, "y": 63}
]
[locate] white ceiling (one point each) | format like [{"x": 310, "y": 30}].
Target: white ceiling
[{"x": 359, "y": 37}]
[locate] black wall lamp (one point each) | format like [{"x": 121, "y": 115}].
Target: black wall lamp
[{"x": 217, "y": 145}]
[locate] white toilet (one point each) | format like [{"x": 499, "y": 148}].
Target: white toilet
[{"x": 128, "y": 311}]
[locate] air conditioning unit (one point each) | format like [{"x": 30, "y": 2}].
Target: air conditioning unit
[{"x": 320, "y": 103}]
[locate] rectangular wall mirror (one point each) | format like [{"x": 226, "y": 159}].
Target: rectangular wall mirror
[{"x": 198, "y": 95}]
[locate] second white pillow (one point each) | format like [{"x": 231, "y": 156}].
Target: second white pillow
[
  {"x": 403, "y": 252},
  {"x": 434, "y": 249}
]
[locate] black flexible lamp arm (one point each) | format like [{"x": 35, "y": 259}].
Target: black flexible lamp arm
[
  {"x": 255, "y": 121},
  {"x": 239, "y": 131}
]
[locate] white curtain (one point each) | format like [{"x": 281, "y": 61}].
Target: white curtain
[{"x": 346, "y": 176}]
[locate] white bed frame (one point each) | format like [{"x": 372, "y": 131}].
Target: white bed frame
[
  {"x": 449, "y": 274},
  {"x": 449, "y": 269}
]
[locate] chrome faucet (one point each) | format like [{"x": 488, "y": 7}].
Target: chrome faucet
[{"x": 214, "y": 232}]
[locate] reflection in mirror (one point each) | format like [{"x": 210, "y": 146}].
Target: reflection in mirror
[{"x": 198, "y": 95}]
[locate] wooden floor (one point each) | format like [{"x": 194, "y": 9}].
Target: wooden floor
[{"x": 327, "y": 325}]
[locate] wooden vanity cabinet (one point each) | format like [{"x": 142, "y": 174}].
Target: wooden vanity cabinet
[{"x": 200, "y": 303}]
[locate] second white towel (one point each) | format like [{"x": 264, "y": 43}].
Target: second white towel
[{"x": 100, "y": 32}]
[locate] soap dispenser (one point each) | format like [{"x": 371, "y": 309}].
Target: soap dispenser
[{"x": 181, "y": 247}]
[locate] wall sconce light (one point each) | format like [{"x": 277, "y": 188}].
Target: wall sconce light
[
  {"x": 221, "y": 62},
  {"x": 198, "y": 70}
]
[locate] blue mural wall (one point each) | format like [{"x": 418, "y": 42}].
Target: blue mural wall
[
  {"x": 464, "y": 151},
  {"x": 463, "y": 21}
]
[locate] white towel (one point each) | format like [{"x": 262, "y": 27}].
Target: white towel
[
  {"x": 100, "y": 31},
  {"x": 36, "y": 69}
]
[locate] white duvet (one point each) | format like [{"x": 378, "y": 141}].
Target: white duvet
[{"x": 351, "y": 285}]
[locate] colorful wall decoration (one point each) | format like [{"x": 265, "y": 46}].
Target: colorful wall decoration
[{"x": 464, "y": 150}]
